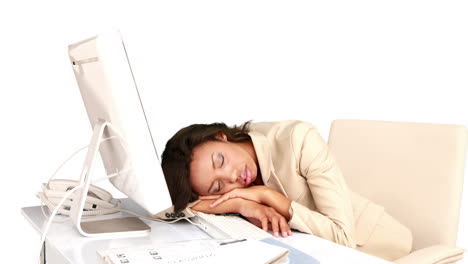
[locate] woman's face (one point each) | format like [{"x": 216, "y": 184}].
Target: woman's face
[{"x": 218, "y": 167}]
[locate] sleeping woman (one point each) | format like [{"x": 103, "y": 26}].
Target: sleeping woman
[{"x": 280, "y": 176}]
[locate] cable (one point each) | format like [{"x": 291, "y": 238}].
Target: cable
[
  {"x": 72, "y": 155},
  {"x": 54, "y": 213},
  {"x": 44, "y": 200},
  {"x": 63, "y": 211},
  {"x": 67, "y": 194},
  {"x": 52, "y": 206},
  {"x": 90, "y": 212}
]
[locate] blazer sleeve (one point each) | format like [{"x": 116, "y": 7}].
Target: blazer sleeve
[{"x": 334, "y": 218}]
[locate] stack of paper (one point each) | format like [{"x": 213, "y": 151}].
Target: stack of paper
[{"x": 198, "y": 251}]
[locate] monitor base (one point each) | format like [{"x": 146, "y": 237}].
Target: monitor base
[{"x": 116, "y": 227}]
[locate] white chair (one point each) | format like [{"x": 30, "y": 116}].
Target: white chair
[{"x": 415, "y": 171}]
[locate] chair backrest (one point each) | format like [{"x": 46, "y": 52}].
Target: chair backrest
[{"x": 414, "y": 170}]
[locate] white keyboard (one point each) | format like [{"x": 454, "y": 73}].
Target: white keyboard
[{"x": 229, "y": 227}]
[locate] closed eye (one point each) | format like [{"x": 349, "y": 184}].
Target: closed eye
[
  {"x": 218, "y": 188},
  {"x": 221, "y": 157}
]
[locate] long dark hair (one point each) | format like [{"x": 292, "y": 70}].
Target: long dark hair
[{"x": 177, "y": 156}]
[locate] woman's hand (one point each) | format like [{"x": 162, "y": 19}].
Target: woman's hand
[
  {"x": 266, "y": 218},
  {"x": 253, "y": 193}
]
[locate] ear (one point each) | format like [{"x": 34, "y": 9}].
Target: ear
[{"x": 220, "y": 135}]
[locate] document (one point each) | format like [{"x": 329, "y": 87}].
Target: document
[{"x": 198, "y": 251}]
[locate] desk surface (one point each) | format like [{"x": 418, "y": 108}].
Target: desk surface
[{"x": 66, "y": 240}]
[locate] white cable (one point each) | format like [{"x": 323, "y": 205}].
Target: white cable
[
  {"x": 59, "y": 205},
  {"x": 111, "y": 175},
  {"x": 52, "y": 206},
  {"x": 47, "y": 215},
  {"x": 63, "y": 164},
  {"x": 54, "y": 213},
  {"x": 67, "y": 194},
  {"x": 72, "y": 155}
]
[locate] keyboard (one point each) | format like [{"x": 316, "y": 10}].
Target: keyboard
[{"x": 229, "y": 227}]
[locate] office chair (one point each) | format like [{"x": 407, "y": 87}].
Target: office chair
[{"x": 415, "y": 171}]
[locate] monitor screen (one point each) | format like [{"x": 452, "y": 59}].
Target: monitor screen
[{"x": 110, "y": 94}]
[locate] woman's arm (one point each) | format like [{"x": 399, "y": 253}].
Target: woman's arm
[
  {"x": 231, "y": 206},
  {"x": 260, "y": 194},
  {"x": 333, "y": 219},
  {"x": 266, "y": 216}
]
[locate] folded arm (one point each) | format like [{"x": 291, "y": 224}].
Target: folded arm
[
  {"x": 260, "y": 194},
  {"x": 261, "y": 215}
]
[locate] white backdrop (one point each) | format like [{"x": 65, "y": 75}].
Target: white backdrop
[{"x": 230, "y": 61}]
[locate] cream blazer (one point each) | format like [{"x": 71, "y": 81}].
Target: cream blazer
[{"x": 295, "y": 160}]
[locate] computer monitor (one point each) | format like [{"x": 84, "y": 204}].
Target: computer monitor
[{"x": 115, "y": 111}]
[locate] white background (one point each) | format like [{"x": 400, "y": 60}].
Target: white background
[{"x": 230, "y": 61}]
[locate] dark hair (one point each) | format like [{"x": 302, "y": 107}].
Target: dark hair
[{"x": 177, "y": 156}]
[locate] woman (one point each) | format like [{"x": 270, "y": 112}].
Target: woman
[{"x": 280, "y": 175}]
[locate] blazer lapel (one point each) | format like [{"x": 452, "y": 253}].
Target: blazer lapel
[{"x": 265, "y": 162}]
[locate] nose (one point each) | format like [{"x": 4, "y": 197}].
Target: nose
[{"x": 233, "y": 177}]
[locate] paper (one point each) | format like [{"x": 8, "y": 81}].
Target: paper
[{"x": 197, "y": 251}]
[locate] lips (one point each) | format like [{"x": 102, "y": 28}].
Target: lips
[{"x": 246, "y": 177}]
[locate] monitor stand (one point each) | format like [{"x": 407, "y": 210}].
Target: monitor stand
[{"x": 108, "y": 228}]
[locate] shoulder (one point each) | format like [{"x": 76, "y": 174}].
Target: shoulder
[
  {"x": 282, "y": 128},
  {"x": 284, "y": 136},
  {"x": 291, "y": 132}
]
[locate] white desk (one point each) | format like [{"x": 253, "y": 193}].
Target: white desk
[{"x": 65, "y": 245}]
